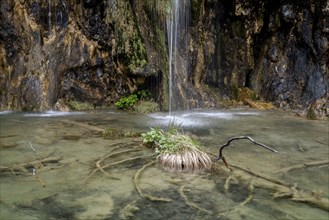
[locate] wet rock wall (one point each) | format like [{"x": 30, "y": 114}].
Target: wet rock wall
[
  {"x": 96, "y": 51},
  {"x": 279, "y": 49},
  {"x": 61, "y": 51}
]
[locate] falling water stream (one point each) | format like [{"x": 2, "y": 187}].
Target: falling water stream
[
  {"x": 177, "y": 38},
  {"x": 49, "y": 160}
]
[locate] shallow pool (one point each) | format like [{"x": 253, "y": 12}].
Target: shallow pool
[{"x": 57, "y": 165}]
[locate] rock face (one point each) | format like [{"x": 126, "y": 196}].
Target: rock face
[
  {"x": 291, "y": 68},
  {"x": 97, "y": 51},
  {"x": 59, "y": 50},
  {"x": 279, "y": 49}
]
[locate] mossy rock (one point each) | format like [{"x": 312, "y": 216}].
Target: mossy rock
[
  {"x": 246, "y": 93},
  {"x": 250, "y": 98},
  {"x": 113, "y": 133},
  {"x": 258, "y": 104},
  {"x": 145, "y": 107},
  {"x": 80, "y": 106},
  {"x": 319, "y": 109}
]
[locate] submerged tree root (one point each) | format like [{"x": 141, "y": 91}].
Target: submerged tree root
[
  {"x": 189, "y": 203},
  {"x": 301, "y": 196},
  {"x": 114, "y": 154},
  {"x": 283, "y": 189},
  {"x": 149, "y": 197},
  {"x": 128, "y": 211},
  {"x": 30, "y": 167},
  {"x": 304, "y": 165},
  {"x": 243, "y": 203},
  {"x": 24, "y": 168},
  {"x": 262, "y": 176},
  {"x": 249, "y": 198},
  {"x": 39, "y": 180},
  {"x": 227, "y": 183},
  {"x": 83, "y": 125},
  {"x": 101, "y": 168}
]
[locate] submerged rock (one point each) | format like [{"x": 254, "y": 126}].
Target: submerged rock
[{"x": 319, "y": 109}]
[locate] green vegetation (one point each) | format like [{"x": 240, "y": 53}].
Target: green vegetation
[
  {"x": 171, "y": 141},
  {"x": 128, "y": 102},
  {"x": 145, "y": 107},
  {"x": 80, "y": 106},
  {"x": 113, "y": 133},
  {"x": 177, "y": 151},
  {"x": 143, "y": 94},
  {"x": 129, "y": 43}
]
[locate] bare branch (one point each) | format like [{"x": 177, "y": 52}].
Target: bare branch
[{"x": 221, "y": 156}]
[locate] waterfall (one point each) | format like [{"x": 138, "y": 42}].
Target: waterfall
[{"x": 177, "y": 23}]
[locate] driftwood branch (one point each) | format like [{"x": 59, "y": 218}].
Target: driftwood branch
[
  {"x": 221, "y": 156},
  {"x": 23, "y": 167},
  {"x": 284, "y": 189},
  {"x": 83, "y": 125}
]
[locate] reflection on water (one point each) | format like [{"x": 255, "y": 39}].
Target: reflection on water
[{"x": 59, "y": 166}]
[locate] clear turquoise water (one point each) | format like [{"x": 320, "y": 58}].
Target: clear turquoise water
[{"x": 67, "y": 188}]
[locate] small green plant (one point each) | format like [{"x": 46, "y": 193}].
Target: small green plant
[
  {"x": 171, "y": 141},
  {"x": 126, "y": 102},
  {"x": 176, "y": 151},
  {"x": 129, "y": 101},
  {"x": 159, "y": 140},
  {"x": 143, "y": 94}
]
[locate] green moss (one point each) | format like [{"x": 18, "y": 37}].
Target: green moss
[
  {"x": 129, "y": 43},
  {"x": 113, "y": 133},
  {"x": 156, "y": 32},
  {"x": 80, "y": 106}
]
